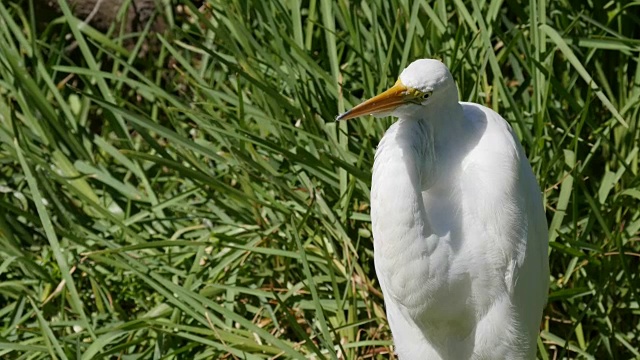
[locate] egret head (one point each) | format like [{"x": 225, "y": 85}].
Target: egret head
[{"x": 422, "y": 83}]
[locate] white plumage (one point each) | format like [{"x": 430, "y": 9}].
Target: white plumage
[{"x": 460, "y": 235}]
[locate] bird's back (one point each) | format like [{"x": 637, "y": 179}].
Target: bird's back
[
  {"x": 506, "y": 239},
  {"x": 473, "y": 282}
]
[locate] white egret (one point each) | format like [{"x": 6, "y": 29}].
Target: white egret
[{"x": 460, "y": 235}]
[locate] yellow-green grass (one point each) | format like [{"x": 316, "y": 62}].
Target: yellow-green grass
[{"x": 200, "y": 202}]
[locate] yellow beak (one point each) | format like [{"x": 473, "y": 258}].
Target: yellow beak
[{"x": 395, "y": 96}]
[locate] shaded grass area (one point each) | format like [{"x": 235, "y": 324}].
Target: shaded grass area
[{"x": 202, "y": 203}]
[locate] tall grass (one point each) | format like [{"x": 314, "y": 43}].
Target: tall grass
[{"x": 202, "y": 203}]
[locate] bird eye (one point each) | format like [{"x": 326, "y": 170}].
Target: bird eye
[{"x": 426, "y": 95}]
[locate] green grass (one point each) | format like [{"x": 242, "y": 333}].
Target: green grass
[{"x": 202, "y": 203}]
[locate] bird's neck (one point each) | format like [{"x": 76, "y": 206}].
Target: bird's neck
[
  {"x": 427, "y": 141},
  {"x": 408, "y": 162}
]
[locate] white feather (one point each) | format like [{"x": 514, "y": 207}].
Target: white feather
[{"x": 459, "y": 229}]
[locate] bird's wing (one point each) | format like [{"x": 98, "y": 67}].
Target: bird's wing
[
  {"x": 509, "y": 215},
  {"x": 502, "y": 210}
]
